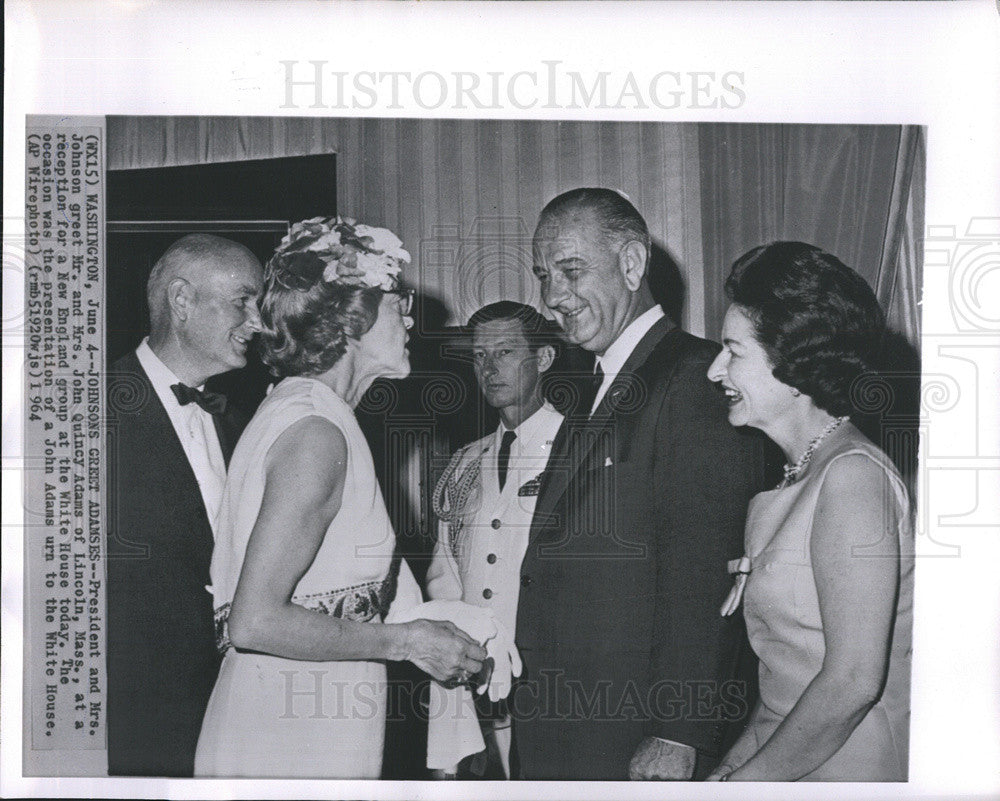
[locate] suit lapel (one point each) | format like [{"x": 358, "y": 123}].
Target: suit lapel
[
  {"x": 577, "y": 438},
  {"x": 163, "y": 437},
  {"x": 632, "y": 369}
]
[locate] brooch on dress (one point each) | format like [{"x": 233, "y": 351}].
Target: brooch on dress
[{"x": 741, "y": 569}]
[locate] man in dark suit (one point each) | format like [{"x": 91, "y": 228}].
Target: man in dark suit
[
  {"x": 169, "y": 442},
  {"x": 629, "y": 667}
]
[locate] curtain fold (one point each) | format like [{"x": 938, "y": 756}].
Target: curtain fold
[
  {"x": 856, "y": 191},
  {"x": 853, "y": 190},
  {"x": 898, "y": 281},
  {"x": 709, "y": 191},
  {"x": 464, "y": 195}
]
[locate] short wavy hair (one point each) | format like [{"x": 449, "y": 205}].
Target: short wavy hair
[
  {"x": 305, "y": 331},
  {"x": 619, "y": 220},
  {"x": 817, "y": 319},
  {"x": 536, "y": 329}
]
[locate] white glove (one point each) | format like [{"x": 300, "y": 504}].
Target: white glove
[
  {"x": 506, "y": 663},
  {"x": 480, "y": 624}
]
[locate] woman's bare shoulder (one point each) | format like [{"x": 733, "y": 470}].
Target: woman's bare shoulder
[{"x": 310, "y": 448}]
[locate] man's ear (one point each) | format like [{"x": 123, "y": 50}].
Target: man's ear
[
  {"x": 632, "y": 262},
  {"x": 180, "y": 297},
  {"x": 546, "y": 356}
]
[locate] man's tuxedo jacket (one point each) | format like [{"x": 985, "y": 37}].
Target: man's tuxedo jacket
[
  {"x": 618, "y": 624},
  {"x": 162, "y": 660}
]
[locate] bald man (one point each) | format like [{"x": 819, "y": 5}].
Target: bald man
[{"x": 168, "y": 445}]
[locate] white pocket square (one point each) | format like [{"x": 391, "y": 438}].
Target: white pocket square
[{"x": 607, "y": 461}]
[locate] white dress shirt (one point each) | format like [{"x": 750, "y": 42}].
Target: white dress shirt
[
  {"x": 195, "y": 429},
  {"x": 617, "y": 354}
]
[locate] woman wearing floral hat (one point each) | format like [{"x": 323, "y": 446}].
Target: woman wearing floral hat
[{"x": 303, "y": 568}]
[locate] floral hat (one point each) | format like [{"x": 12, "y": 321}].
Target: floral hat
[{"x": 336, "y": 249}]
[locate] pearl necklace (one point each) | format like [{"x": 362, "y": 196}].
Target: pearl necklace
[{"x": 792, "y": 470}]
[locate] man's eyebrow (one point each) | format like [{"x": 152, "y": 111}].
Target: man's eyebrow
[
  {"x": 567, "y": 260},
  {"x": 247, "y": 289}
]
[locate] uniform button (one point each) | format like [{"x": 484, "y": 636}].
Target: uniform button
[
  {"x": 526, "y": 580},
  {"x": 491, "y": 558},
  {"x": 496, "y": 523},
  {"x": 487, "y": 593}
]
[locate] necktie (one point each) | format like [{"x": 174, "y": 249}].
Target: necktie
[
  {"x": 503, "y": 458},
  {"x": 211, "y": 402},
  {"x": 595, "y": 386}
]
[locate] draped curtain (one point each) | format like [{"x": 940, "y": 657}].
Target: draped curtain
[
  {"x": 856, "y": 191},
  {"x": 464, "y": 195},
  {"x": 853, "y": 190}
]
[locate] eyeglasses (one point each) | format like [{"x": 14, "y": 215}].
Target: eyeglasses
[{"x": 405, "y": 299}]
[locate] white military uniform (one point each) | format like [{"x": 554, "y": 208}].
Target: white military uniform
[{"x": 483, "y": 533}]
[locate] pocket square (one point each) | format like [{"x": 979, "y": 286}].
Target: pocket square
[
  {"x": 607, "y": 461},
  {"x": 530, "y": 488}
]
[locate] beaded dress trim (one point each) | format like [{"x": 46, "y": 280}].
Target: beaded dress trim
[{"x": 360, "y": 602}]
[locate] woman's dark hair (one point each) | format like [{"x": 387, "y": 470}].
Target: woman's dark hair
[
  {"x": 816, "y": 318},
  {"x": 306, "y": 330}
]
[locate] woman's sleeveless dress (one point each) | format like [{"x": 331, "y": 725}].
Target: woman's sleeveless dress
[
  {"x": 783, "y": 619},
  {"x": 270, "y": 716}
]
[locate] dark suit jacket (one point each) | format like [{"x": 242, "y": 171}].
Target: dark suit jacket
[
  {"x": 618, "y": 619},
  {"x": 162, "y": 660}
]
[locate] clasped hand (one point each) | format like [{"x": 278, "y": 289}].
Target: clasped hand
[
  {"x": 482, "y": 638},
  {"x": 443, "y": 650}
]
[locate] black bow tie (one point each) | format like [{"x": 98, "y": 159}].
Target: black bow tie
[{"x": 211, "y": 402}]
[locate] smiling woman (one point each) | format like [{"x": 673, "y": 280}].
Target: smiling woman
[
  {"x": 756, "y": 397},
  {"x": 828, "y": 597}
]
